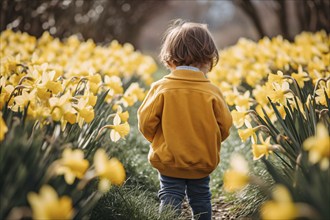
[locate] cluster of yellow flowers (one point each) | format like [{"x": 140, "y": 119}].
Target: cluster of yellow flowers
[
  {"x": 60, "y": 81},
  {"x": 244, "y": 74},
  {"x": 48, "y": 205},
  {"x": 249, "y": 62},
  {"x": 49, "y": 80}
]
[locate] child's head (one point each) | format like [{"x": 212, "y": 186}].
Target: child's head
[{"x": 189, "y": 44}]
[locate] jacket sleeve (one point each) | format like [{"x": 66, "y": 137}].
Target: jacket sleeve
[
  {"x": 149, "y": 114},
  {"x": 223, "y": 116}
]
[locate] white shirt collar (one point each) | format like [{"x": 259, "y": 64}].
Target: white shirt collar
[{"x": 187, "y": 68}]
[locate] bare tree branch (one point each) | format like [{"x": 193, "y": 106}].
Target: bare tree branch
[{"x": 251, "y": 11}]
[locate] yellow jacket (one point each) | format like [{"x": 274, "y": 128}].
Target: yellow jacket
[{"x": 185, "y": 118}]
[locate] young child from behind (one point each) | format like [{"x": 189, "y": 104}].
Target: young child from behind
[{"x": 185, "y": 118}]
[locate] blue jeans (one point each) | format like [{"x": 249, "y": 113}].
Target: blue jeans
[{"x": 173, "y": 190}]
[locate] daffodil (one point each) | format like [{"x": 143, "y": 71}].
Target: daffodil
[
  {"x": 122, "y": 115},
  {"x": 243, "y": 101},
  {"x": 62, "y": 110},
  {"x": 110, "y": 171},
  {"x": 113, "y": 83},
  {"x": 92, "y": 99},
  {"x": 127, "y": 100},
  {"x": 239, "y": 117},
  {"x": 319, "y": 147},
  {"x": 136, "y": 91},
  {"x": 276, "y": 78},
  {"x": 118, "y": 130},
  {"x": 85, "y": 111},
  {"x": 21, "y": 101},
  {"x": 280, "y": 93},
  {"x": 301, "y": 77},
  {"x": 237, "y": 176},
  {"x": 263, "y": 149},
  {"x": 230, "y": 97},
  {"x": 48, "y": 205},
  {"x": 3, "y": 128},
  {"x": 72, "y": 165},
  {"x": 281, "y": 207},
  {"x": 244, "y": 134},
  {"x": 6, "y": 91},
  {"x": 324, "y": 89},
  {"x": 49, "y": 82},
  {"x": 260, "y": 93}
]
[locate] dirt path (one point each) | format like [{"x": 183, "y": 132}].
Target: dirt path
[{"x": 220, "y": 210}]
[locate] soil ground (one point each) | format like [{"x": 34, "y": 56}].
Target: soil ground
[{"x": 220, "y": 210}]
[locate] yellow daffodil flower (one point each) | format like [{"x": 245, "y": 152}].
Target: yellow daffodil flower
[
  {"x": 280, "y": 93},
  {"x": 132, "y": 94},
  {"x": 238, "y": 117},
  {"x": 72, "y": 165},
  {"x": 85, "y": 111},
  {"x": 92, "y": 99},
  {"x": 230, "y": 97},
  {"x": 324, "y": 89},
  {"x": 21, "y": 101},
  {"x": 48, "y": 205},
  {"x": 263, "y": 149},
  {"x": 237, "y": 176},
  {"x": 122, "y": 115},
  {"x": 301, "y": 77},
  {"x": 110, "y": 171},
  {"x": 319, "y": 147},
  {"x": 127, "y": 100},
  {"x": 260, "y": 93},
  {"x": 62, "y": 109},
  {"x": 5, "y": 93},
  {"x": 3, "y": 128},
  {"x": 243, "y": 101},
  {"x": 113, "y": 83},
  {"x": 281, "y": 207},
  {"x": 276, "y": 78},
  {"x": 118, "y": 130},
  {"x": 87, "y": 114},
  {"x": 244, "y": 134},
  {"x": 48, "y": 82}
]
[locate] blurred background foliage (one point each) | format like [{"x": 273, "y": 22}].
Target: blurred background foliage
[
  {"x": 142, "y": 22},
  {"x": 101, "y": 20}
]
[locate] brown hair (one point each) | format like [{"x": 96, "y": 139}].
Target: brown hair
[{"x": 187, "y": 43}]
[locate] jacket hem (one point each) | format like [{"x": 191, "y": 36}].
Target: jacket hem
[{"x": 178, "y": 172}]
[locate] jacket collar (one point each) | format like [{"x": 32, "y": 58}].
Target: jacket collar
[{"x": 188, "y": 75}]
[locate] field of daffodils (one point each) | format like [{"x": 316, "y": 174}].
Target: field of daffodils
[{"x": 66, "y": 103}]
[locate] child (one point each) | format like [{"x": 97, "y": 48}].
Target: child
[{"x": 185, "y": 118}]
